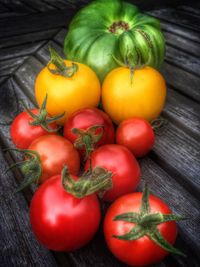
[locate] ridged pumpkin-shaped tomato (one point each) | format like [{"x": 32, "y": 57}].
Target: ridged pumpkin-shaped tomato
[{"x": 109, "y": 29}]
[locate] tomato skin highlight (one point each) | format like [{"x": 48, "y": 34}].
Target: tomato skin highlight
[
  {"x": 137, "y": 135},
  {"x": 60, "y": 221},
  {"x": 122, "y": 163},
  {"x": 86, "y": 118},
  {"x": 55, "y": 151},
  {"x": 141, "y": 252},
  {"x": 23, "y": 134}
]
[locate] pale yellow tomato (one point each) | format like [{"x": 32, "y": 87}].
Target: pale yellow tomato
[{"x": 143, "y": 96}]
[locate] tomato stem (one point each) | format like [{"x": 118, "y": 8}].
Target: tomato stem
[
  {"x": 60, "y": 66},
  {"x": 86, "y": 139},
  {"x": 43, "y": 119},
  {"x": 146, "y": 224},
  {"x": 97, "y": 181},
  {"x": 31, "y": 167}
]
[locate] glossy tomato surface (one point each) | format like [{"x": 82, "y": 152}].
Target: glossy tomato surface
[
  {"x": 87, "y": 118},
  {"x": 23, "y": 134},
  {"x": 55, "y": 152},
  {"x": 143, "y": 251},
  {"x": 60, "y": 221},
  {"x": 122, "y": 163},
  {"x": 137, "y": 135}
]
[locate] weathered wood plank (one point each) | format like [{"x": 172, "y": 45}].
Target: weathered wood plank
[
  {"x": 19, "y": 51},
  {"x": 183, "y": 112},
  {"x": 177, "y": 30},
  {"x": 60, "y": 36},
  {"x": 179, "y": 154},
  {"x": 40, "y": 5},
  {"x": 35, "y": 22},
  {"x": 17, "y": 6},
  {"x": 189, "y": 46},
  {"x": 183, "y": 60},
  {"x": 27, "y": 38},
  {"x": 185, "y": 82},
  {"x": 173, "y": 16},
  {"x": 7, "y": 67},
  {"x": 190, "y": 9},
  {"x": 18, "y": 246},
  {"x": 26, "y": 75}
]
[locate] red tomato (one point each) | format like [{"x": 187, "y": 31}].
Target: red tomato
[
  {"x": 142, "y": 251},
  {"x": 23, "y": 134},
  {"x": 84, "y": 120},
  {"x": 55, "y": 152},
  {"x": 60, "y": 221},
  {"x": 121, "y": 162},
  {"x": 137, "y": 135}
]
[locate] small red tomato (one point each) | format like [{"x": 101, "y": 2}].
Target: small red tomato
[
  {"x": 123, "y": 165},
  {"x": 137, "y": 135},
  {"x": 54, "y": 152},
  {"x": 89, "y": 128},
  {"x": 23, "y": 133},
  {"x": 140, "y": 230},
  {"x": 61, "y": 221}
]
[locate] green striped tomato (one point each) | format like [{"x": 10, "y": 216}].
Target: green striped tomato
[{"x": 108, "y": 31}]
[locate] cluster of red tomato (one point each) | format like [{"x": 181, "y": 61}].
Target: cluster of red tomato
[{"x": 65, "y": 211}]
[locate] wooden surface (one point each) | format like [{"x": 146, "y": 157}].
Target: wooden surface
[{"x": 172, "y": 169}]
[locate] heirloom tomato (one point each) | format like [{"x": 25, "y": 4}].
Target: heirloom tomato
[
  {"x": 122, "y": 164},
  {"x": 137, "y": 135},
  {"x": 139, "y": 94},
  {"x": 61, "y": 221},
  {"x": 70, "y": 86},
  {"x": 89, "y": 128},
  {"x": 140, "y": 229},
  {"x": 107, "y": 29}
]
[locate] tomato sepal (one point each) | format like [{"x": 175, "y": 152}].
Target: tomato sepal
[
  {"x": 87, "y": 138},
  {"x": 31, "y": 167},
  {"x": 96, "y": 181},
  {"x": 43, "y": 119},
  {"x": 145, "y": 224},
  {"x": 61, "y": 68}
]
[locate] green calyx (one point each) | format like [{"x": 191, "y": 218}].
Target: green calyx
[
  {"x": 146, "y": 224},
  {"x": 43, "y": 119},
  {"x": 98, "y": 181},
  {"x": 86, "y": 139},
  {"x": 60, "y": 66},
  {"x": 31, "y": 167}
]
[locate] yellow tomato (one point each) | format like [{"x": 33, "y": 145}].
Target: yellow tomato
[
  {"x": 143, "y": 96},
  {"x": 67, "y": 94}
]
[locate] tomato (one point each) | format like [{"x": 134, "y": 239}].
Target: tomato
[
  {"x": 54, "y": 152},
  {"x": 142, "y": 96},
  {"x": 93, "y": 128},
  {"x": 60, "y": 221},
  {"x": 23, "y": 134},
  {"x": 107, "y": 29},
  {"x": 71, "y": 87},
  {"x": 137, "y": 135},
  {"x": 123, "y": 165},
  {"x": 152, "y": 232}
]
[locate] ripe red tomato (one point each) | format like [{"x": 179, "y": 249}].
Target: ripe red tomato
[
  {"x": 23, "y": 134},
  {"x": 121, "y": 162},
  {"x": 55, "y": 152},
  {"x": 137, "y": 135},
  {"x": 60, "y": 221},
  {"x": 131, "y": 230},
  {"x": 87, "y": 135}
]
